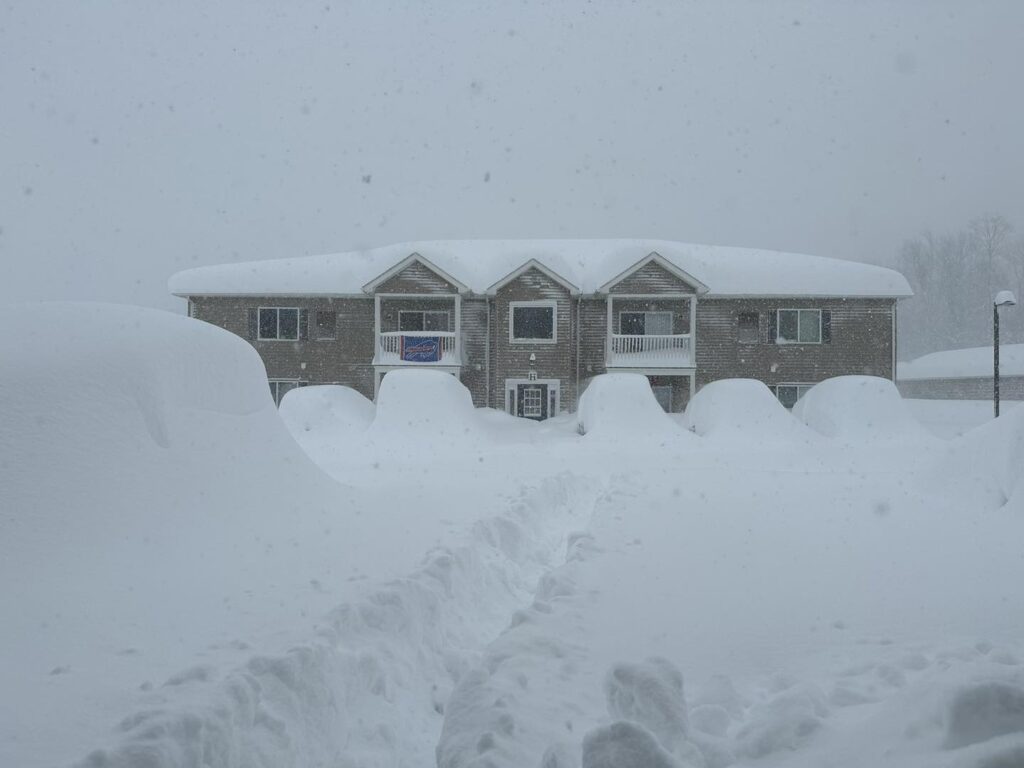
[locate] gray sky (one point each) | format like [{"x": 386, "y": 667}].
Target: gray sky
[{"x": 138, "y": 138}]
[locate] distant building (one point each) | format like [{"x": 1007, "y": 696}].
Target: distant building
[
  {"x": 963, "y": 374},
  {"x": 526, "y": 323}
]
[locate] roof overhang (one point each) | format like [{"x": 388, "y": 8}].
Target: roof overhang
[
  {"x": 533, "y": 264},
  {"x": 371, "y": 286},
  {"x": 662, "y": 262}
]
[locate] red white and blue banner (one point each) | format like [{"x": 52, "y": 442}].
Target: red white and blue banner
[{"x": 420, "y": 349}]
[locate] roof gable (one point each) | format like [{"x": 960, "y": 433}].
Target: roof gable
[
  {"x": 533, "y": 264},
  {"x": 654, "y": 258},
  {"x": 413, "y": 258}
]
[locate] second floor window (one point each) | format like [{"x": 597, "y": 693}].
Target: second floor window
[
  {"x": 532, "y": 321},
  {"x": 326, "y": 324},
  {"x": 748, "y": 329},
  {"x": 645, "y": 323},
  {"x": 799, "y": 326},
  {"x": 279, "y": 323}
]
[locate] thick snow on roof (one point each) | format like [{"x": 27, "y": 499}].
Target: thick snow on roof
[
  {"x": 585, "y": 264},
  {"x": 970, "y": 363}
]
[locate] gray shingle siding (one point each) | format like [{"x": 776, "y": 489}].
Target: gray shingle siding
[{"x": 861, "y": 335}]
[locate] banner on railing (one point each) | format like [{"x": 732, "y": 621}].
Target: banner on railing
[{"x": 420, "y": 349}]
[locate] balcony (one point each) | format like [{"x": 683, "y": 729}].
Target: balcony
[
  {"x": 417, "y": 348},
  {"x": 649, "y": 351}
]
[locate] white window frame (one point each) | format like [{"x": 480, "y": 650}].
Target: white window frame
[
  {"x": 259, "y": 324},
  {"x": 513, "y": 305},
  {"x": 446, "y": 312},
  {"x": 778, "y": 326},
  {"x": 799, "y": 385},
  {"x": 276, "y": 383},
  {"x": 644, "y": 312},
  {"x": 533, "y": 410}
]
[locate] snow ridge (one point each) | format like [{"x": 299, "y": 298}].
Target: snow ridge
[{"x": 370, "y": 689}]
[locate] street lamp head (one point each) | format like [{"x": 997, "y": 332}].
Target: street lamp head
[{"x": 1005, "y": 299}]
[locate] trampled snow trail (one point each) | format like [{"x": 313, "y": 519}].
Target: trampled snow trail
[{"x": 371, "y": 687}]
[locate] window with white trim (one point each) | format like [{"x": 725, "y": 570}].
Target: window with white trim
[
  {"x": 280, "y": 387},
  {"x": 533, "y": 402},
  {"x": 789, "y": 394},
  {"x": 424, "y": 320},
  {"x": 533, "y": 321},
  {"x": 798, "y": 326},
  {"x": 279, "y": 323}
]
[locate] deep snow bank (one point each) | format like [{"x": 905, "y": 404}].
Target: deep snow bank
[
  {"x": 622, "y": 405},
  {"x": 743, "y": 408},
  {"x": 148, "y": 492},
  {"x": 859, "y": 408},
  {"x": 326, "y": 419},
  {"x": 423, "y": 405}
]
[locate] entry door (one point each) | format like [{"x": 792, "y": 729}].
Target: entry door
[{"x": 532, "y": 401}]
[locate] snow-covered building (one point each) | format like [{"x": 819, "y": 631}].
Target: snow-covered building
[
  {"x": 526, "y": 323},
  {"x": 963, "y": 374}
]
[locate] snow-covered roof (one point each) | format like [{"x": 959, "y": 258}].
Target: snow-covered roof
[
  {"x": 970, "y": 363},
  {"x": 585, "y": 264}
]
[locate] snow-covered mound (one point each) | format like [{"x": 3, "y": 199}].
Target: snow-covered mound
[
  {"x": 423, "y": 405},
  {"x": 619, "y": 405},
  {"x": 146, "y": 487},
  {"x": 741, "y": 408},
  {"x": 326, "y": 419},
  {"x": 855, "y": 408},
  {"x": 989, "y": 458}
]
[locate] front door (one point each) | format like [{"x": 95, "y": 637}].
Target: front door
[{"x": 532, "y": 401}]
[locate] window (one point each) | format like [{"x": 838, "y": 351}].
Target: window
[
  {"x": 749, "y": 328},
  {"x": 799, "y": 326},
  {"x": 532, "y": 321},
  {"x": 430, "y": 320},
  {"x": 281, "y": 323},
  {"x": 326, "y": 324},
  {"x": 280, "y": 387},
  {"x": 788, "y": 394},
  {"x": 645, "y": 323},
  {"x": 533, "y": 402}
]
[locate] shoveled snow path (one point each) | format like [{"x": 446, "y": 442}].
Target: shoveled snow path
[
  {"x": 369, "y": 688},
  {"x": 791, "y": 600}
]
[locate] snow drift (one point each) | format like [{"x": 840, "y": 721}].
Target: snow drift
[
  {"x": 140, "y": 453},
  {"x": 420, "y": 405},
  {"x": 855, "y": 408},
  {"x": 741, "y": 407},
  {"x": 326, "y": 419},
  {"x": 617, "y": 405}
]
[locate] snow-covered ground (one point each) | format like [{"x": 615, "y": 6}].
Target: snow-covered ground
[{"x": 427, "y": 582}]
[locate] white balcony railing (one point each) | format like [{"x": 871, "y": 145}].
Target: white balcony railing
[
  {"x": 392, "y": 350},
  {"x": 667, "y": 351}
]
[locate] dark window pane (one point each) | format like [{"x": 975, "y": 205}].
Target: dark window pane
[
  {"x": 788, "y": 324},
  {"x": 283, "y": 388},
  {"x": 632, "y": 323},
  {"x": 435, "y": 321},
  {"x": 749, "y": 327},
  {"x": 810, "y": 326},
  {"x": 410, "y": 321},
  {"x": 533, "y": 323},
  {"x": 326, "y": 323},
  {"x": 268, "y": 323},
  {"x": 288, "y": 323},
  {"x": 788, "y": 396}
]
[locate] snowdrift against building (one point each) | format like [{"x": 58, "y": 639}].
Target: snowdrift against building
[{"x": 326, "y": 419}]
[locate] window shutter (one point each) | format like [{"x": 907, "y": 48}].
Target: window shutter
[
  {"x": 254, "y": 322},
  {"x": 773, "y": 326},
  {"x": 826, "y": 326},
  {"x": 303, "y": 324}
]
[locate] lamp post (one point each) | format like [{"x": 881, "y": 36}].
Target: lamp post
[{"x": 1003, "y": 299}]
